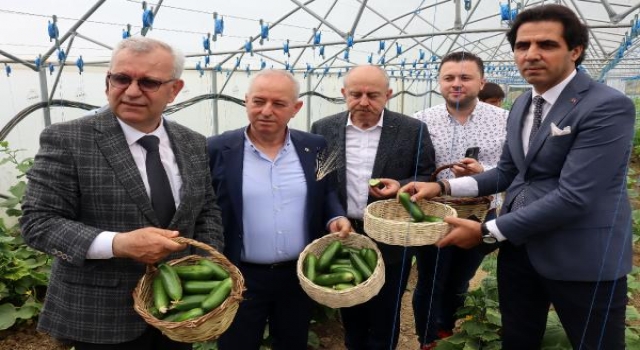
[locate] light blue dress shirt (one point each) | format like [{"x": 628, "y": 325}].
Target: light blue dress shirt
[{"x": 274, "y": 205}]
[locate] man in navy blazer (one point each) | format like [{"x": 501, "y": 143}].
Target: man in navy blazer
[
  {"x": 565, "y": 225},
  {"x": 273, "y": 204}
]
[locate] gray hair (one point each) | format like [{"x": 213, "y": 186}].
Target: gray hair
[
  {"x": 378, "y": 68},
  {"x": 141, "y": 44},
  {"x": 284, "y": 73}
]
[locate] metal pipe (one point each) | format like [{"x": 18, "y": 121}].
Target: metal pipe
[{"x": 334, "y": 28}]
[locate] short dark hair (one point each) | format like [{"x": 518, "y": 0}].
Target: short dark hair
[
  {"x": 460, "y": 56},
  {"x": 575, "y": 33},
  {"x": 490, "y": 90}
]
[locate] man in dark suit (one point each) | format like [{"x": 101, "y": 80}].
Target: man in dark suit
[
  {"x": 273, "y": 204},
  {"x": 566, "y": 219},
  {"x": 370, "y": 141},
  {"x": 90, "y": 203}
]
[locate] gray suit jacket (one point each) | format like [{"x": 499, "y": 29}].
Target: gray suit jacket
[
  {"x": 83, "y": 182},
  {"x": 576, "y": 224},
  {"x": 405, "y": 153}
]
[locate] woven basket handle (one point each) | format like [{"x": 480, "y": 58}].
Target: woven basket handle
[{"x": 439, "y": 169}]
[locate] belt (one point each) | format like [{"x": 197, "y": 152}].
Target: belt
[
  {"x": 357, "y": 225},
  {"x": 277, "y": 265}
]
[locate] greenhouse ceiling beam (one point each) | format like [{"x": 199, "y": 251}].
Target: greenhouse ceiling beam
[
  {"x": 144, "y": 30},
  {"x": 93, "y": 41},
  {"x": 62, "y": 65},
  {"x": 617, "y": 17},
  {"x": 457, "y": 36},
  {"x": 325, "y": 22},
  {"x": 17, "y": 59},
  {"x": 73, "y": 29},
  {"x": 358, "y": 16},
  {"x": 295, "y": 62},
  {"x": 584, "y": 20}
]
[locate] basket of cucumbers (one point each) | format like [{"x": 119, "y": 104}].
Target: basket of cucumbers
[
  {"x": 341, "y": 272},
  {"x": 405, "y": 223},
  {"x": 191, "y": 299}
]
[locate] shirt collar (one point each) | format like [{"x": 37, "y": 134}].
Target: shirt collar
[
  {"x": 379, "y": 124},
  {"x": 285, "y": 147},
  {"x": 132, "y": 135},
  {"x": 551, "y": 95}
]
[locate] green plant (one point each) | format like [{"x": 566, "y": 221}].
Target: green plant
[{"x": 24, "y": 272}]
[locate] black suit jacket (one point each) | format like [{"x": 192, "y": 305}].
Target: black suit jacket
[
  {"x": 226, "y": 153},
  {"x": 405, "y": 153}
]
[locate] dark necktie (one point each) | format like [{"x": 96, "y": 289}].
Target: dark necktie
[
  {"x": 538, "y": 101},
  {"x": 161, "y": 195}
]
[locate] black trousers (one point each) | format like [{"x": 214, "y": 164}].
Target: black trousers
[
  {"x": 151, "y": 339},
  {"x": 591, "y": 313},
  {"x": 273, "y": 295}
]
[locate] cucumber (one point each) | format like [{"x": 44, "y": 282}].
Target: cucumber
[
  {"x": 370, "y": 257},
  {"x": 431, "y": 218},
  {"x": 155, "y": 312},
  {"x": 194, "y": 272},
  {"x": 357, "y": 276},
  {"x": 189, "y": 302},
  {"x": 376, "y": 183},
  {"x": 170, "y": 281},
  {"x": 333, "y": 278},
  {"x": 310, "y": 263},
  {"x": 219, "y": 272},
  {"x": 411, "y": 207},
  {"x": 343, "y": 286},
  {"x": 341, "y": 261},
  {"x": 184, "y": 315},
  {"x": 217, "y": 296},
  {"x": 327, "y": 256},
  {"x": 335, "y": 267},
  {"x": 199, "y": 287},
  {"x": 361, "y": 265},
  {"x": 160, "y": 297}
]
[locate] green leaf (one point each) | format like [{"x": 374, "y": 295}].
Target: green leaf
[{"x": 7, "y": 316}]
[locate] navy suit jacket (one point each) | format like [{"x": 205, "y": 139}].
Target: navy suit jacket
[
  {"x": 576, "y": 223},
  {"x": 226, "y": 155}
]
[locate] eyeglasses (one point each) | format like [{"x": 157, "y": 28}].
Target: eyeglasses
[{"x": 122, "y": 81}]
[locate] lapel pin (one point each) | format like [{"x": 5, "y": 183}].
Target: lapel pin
[
  {"x": 306, "y": 149},
  {"x": 574, "y": 100}
]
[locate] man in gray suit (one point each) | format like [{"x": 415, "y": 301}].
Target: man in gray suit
[
  {"x": 92, "y": 203},
  {"x": 369, "y": 141},
  {"x": 565, "y": 224}
]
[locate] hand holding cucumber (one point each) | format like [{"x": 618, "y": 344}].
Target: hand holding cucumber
[
  {"x": 147, "y": 245},
  {"x": 383, "y": 187},
  {"x": 421, "y": 190}
]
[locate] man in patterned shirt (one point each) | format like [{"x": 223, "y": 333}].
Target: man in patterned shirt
[{"x": 460, "y": 123}]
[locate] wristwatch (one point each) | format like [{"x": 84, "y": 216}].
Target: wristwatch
[{"x": 487, "y": 237}]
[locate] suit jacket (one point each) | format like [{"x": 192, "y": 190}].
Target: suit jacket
[
  {"x": 405, "y": 153},
  {"x": 576, "y": 223},
  {"x": 84, "y": 181},
  {"x": 226, "y": 155}
]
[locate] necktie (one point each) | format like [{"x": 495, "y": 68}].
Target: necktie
[
  {"x": 538, "y": 101},
  {"x": 161, "y": 195}
]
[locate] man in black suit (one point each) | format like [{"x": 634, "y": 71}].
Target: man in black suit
[
  {"x": 369, "y": 141},
  {"x": 91, "y": 202}
]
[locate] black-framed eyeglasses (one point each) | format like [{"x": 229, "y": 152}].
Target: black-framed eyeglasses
[{"x": 122, "y": 81}]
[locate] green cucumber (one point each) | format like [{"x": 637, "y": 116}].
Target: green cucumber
[
  {"x": 411, "y": 207},
  {"x": 217, "y": 296},
  {"x": 327, "y": 256},
  {"x": 343, "y": 286},
  {"x": 310, "y": 264},
  {"x": 357, "y": 275},
  {"x": 170, "y": 281},
  {"x": 431, "y": 218},
  {"x": 160, "y": 297},
  {"x": 184, "y": 315},
  {"x": 371, "y": 257},
  {"x": 199, "y": 287},
  {"x": 358, "y": 262},
  {"x": 194, "y": 272},
  {"x": 189, "y": 302},
  {"x": 219, "y": 272},
  {"x": 333, "y": 278}
]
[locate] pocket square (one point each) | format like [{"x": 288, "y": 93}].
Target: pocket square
[{"x": 556, "y": 131}]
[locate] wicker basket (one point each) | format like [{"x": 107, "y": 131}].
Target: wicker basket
[
  {"x": 465, "y": 206},
  {"x": 347, "y": 297},
  {"x": 387, "y": 221},
  {"x": 207, "y": 327}
]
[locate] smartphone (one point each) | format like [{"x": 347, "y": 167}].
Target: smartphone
[{"x": 472, "y": 152}]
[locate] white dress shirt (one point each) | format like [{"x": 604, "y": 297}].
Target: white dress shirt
[{"x": 101, "y": 248}]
